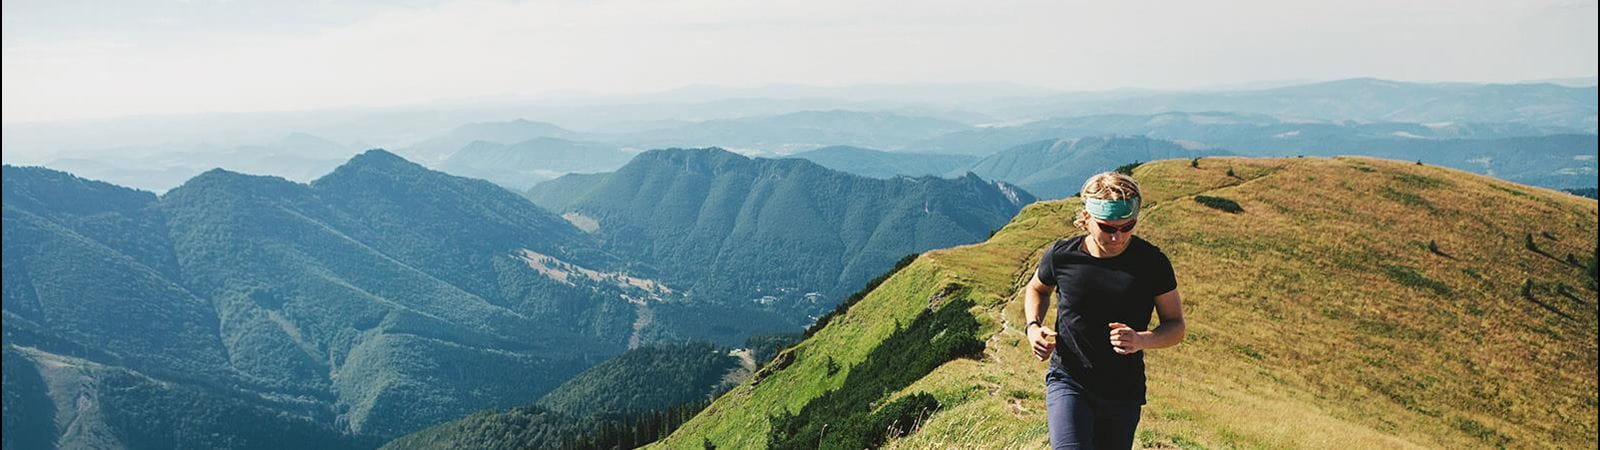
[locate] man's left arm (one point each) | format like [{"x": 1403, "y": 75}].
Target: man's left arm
[{"x": 1169, "y": 308}]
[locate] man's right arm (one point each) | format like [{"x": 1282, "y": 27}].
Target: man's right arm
[{"x": 1035, "y": 303}]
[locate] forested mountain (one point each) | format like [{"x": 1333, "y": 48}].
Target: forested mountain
[
  {"x": 378, "y": 299},
  {"x": 520, "y": 165},
  {"x": 1057, "y": 168},
  {"x": 634, "y": 394},
  {"x": 787, "y": 237},
  {"x": 1310, "y": 330},
  {"x": 882, "y": 164}
]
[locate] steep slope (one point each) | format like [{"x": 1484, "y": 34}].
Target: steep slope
[
  {"x": 1448, "y": 310},
  {"x": 782, "y": 240},
  {"x": 638, "y": 386},
  {"x": 379, "y": 299},
  {"x": 1056, "y": 168},
  {"x": 881, "y": 164},
  {"x": 644, "y": 379}
]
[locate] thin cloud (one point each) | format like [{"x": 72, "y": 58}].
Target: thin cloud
[{"x": 213, "y": 57}]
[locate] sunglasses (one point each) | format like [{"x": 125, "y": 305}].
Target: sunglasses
[{"x": 1111, "y": 229}]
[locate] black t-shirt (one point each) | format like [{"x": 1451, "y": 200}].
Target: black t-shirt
[{"x": 1093, "y": 292}]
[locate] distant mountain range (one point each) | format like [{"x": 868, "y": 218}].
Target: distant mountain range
[
  {"x": 520, "y": 153},
  {"x": 805, "y": 130},
  {"x": 1050, "y": 168},
  {"x": 1057, "y": 168},
  {"x": 1361, "y": 99},
  {"x": 1543, "y": 155},
  {"x": 882, "y": 164},
  {"x": 1250, "y": 132},
  {"x": 521, "y": 165},
  {"x": 296, "y": 156},
  {"x": 1517, "y": 152},
  {"x": 971, "y": 119},
  {"x": 439, "y": 148}
]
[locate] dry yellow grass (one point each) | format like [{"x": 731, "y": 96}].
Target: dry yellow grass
[{"x": 1319, "y": 317}]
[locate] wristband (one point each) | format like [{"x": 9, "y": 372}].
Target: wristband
[{"x": 1031, "y": 323}]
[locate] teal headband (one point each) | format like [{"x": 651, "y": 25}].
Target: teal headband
[{"x": 1111, "y": 209}]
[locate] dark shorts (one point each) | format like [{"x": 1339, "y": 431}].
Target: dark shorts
[{"x": 1081, "y": 421}]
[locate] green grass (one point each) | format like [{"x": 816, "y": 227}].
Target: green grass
[
  {"x": 1415, "y": 181},
  {"x": 1407, "y": 198}
]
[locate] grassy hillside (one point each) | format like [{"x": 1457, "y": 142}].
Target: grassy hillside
[{"x": 1350, "y": 302}]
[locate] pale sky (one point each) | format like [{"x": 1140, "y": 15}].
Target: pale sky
[{"x": 71, "y": 59}]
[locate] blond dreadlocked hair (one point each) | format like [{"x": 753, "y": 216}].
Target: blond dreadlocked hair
[{"x": 1105, "y": 186}]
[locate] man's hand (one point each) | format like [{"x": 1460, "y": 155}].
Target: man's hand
[
  {"x": 1124, "y": 340},
  {"x": 1043, "y": 340}
]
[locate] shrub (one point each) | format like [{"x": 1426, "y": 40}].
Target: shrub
[
  {"x": 901, "y": 417},
  {"x": 1593, "y": 272},
  {"x": 1127, "y": 169},
  {"x": 1219, "y": 203}
]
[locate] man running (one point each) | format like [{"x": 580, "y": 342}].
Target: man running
[{"x": 1108, "y": 281}]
